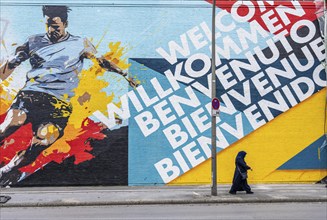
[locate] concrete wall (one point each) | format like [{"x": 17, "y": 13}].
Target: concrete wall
[{"x": 270, "y": 81}]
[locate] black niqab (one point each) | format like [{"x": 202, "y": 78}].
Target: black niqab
[{"x": 240, "y": 184}]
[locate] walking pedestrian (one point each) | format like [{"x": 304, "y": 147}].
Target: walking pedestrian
[{"x": 240, "y": 175}]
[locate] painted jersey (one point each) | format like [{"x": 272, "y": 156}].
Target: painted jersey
[{"x": 55, "y": 66}]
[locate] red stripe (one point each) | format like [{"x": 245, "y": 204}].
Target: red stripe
[{"x": 308, "y": 7}]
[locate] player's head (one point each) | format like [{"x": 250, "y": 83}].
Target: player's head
[{"x": 56, "y": 21}]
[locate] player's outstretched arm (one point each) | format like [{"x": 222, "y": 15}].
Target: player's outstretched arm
[
  {"x": 9, "y": 66},
  {"x": 5, "y": 71},
  {"x": 112, "y": 67}
]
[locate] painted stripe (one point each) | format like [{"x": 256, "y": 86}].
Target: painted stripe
[
  {"x": 272, "y": 7},
  {"x": 269, "y": 147},
  {"x": 312, "y": 157}
]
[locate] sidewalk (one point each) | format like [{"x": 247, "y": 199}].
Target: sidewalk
[{"x": 140, "y": 195}]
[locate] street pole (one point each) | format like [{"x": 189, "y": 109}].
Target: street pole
[{"x": 213, "y": 95}]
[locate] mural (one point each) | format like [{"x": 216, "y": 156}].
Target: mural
[
  {"x": 48, "y": 119},
  {"x": 100, "y": 98}
]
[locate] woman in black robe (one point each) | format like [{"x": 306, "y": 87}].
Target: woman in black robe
[{"x": 240, "y": 182}]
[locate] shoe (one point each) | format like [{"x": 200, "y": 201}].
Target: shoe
[
  {"x": 10, "y": 178},
  {"x": 231, "y": 192},
  {"x": 4, "y": 170},
  {"x": 249, "y": 192}
]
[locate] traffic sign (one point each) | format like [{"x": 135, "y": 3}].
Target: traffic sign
[
  {"x": 215, "y": 107},
  {"x": 215, "y": 104}
]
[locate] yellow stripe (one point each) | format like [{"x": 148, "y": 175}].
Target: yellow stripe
[
  {"x": 269, "y": 147},
  {"x": 295, "y": 176}
]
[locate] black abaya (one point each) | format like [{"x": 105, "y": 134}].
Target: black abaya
[{"x": 240, "y": 184}]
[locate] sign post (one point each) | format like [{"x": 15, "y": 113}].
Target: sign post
[{"x": 213, "y": 96}]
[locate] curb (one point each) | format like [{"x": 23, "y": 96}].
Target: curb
[{"x": 161, "y": 202}]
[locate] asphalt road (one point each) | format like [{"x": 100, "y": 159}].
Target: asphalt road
[{"x": 285, "y": 211}]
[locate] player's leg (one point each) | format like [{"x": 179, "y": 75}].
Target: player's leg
[
  {"x": 15, "y": 118},
  {"x": 44, "y": 136},
  {"x": 49, "y": 117}
]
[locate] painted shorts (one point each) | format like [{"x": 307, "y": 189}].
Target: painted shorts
[{"x": 42, "y": 108}]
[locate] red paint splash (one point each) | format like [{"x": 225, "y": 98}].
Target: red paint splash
[
  {"x": 18, "y": 141},
  {"x": 80, "y": 147}
]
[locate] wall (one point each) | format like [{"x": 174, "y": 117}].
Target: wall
[{"x": 270, "y": 82}]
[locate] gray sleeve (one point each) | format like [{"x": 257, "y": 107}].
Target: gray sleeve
[{"x": 21, "y": 54}]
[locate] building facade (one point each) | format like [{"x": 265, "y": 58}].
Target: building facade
[{"x": 271, "y": 83}]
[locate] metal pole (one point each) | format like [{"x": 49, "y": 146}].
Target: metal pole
[{"x": 213, "y": 95}]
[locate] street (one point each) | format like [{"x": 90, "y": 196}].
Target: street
[{"x": 285, "y": 211}]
